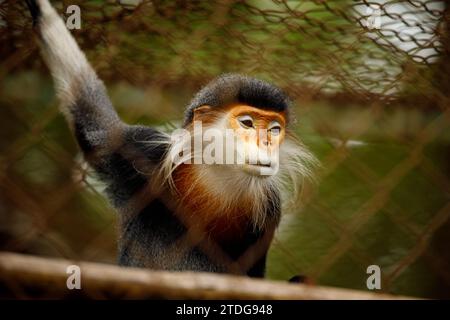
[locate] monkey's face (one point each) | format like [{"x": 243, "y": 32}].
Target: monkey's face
[{"x": 259, "y": 135}]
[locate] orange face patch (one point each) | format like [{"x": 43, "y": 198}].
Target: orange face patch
[{"x": 269, "y": 125}]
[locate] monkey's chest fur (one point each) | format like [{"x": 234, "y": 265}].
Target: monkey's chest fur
[
  {"x": 160, "y": 238},
  {"x": 157, "y": 238}
]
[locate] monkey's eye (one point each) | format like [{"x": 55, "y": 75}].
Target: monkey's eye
[
  {"x": 275, "y": 129},
  {"x": 246, "y": 122}
]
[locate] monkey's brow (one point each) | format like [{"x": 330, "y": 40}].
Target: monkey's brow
[{"x": 256, "y": 114}]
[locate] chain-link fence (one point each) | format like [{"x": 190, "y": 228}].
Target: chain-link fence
[{"x": 370, "y": 84}]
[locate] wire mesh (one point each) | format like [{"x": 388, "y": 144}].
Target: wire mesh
[{"x": 370, "y": 87}]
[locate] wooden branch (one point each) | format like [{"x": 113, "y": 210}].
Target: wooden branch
[{"x": 24, "y": 276}]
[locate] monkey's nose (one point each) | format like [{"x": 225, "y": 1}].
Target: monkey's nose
[{"x": 263, "y": 141}]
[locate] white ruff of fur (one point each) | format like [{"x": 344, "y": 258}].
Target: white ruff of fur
[{"x": 233, "y": 186}]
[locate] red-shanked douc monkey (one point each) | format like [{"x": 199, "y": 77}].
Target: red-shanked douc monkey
[{"x": 185, "y": 215}]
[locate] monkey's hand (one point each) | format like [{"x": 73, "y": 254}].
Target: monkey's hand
[{"x": 301, "y": 279}]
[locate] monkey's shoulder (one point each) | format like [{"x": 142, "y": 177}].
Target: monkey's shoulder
[{"x": 131, "y": 164}]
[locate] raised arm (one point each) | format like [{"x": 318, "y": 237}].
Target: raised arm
[
  {"x": 121, "y": 154},
  {"x": 83, "y": 97}
]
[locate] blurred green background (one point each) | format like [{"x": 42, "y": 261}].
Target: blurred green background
[{"x": 373, "y": 111}]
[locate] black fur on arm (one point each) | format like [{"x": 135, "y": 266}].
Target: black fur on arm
[{"x": 34, "y": 10}]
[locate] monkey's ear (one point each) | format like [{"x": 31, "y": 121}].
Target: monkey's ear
[{"x": 200, "y": 111}]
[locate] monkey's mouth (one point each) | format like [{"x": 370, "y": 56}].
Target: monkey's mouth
[
  {"x": 258, "y": 164},
  {"x": 260, "y": 169}
]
